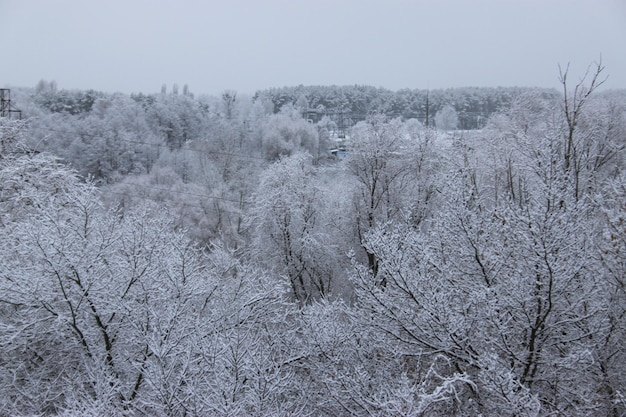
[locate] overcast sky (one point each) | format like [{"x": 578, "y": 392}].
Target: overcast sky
[{"x": 247, "y": 45}]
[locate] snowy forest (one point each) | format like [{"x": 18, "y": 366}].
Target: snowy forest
[{"x": 315, "y": 251}]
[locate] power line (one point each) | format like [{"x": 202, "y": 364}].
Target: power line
[
  {"x": 243, "y": 202},
  {"x": 165, "y": 190},
  {"x": 159, "y": 145},
  {"x": 107, "y": 191},
  {"x": 186, "y": 193}
]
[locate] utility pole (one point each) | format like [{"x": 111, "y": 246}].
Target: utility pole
[
  {"x": 341, "y": 127},
  {"x": 427, "y": 110},
  {"x": 6, "y": 108}
]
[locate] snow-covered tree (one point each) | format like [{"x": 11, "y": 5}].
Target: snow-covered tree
[
  {"x": 446, "y": 119},
  {"x": 287, "y": 133},
  {"x": 288, "y": 228},
  {"x": 108, "y": 314},
  {"x": 381, "y": 166}
]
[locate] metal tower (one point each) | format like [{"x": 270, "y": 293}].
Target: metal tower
[{"x": 6, "y": 108}]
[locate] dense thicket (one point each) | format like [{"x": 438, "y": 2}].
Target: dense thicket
[{"x": 172, "y": 255}]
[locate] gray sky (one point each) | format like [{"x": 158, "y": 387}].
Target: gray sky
[{"x": 247, "y": 45}]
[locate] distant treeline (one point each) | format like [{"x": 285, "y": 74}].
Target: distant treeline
[
  {"x": 474, "y": 105},
  {"x": 345, "y": 105}
]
